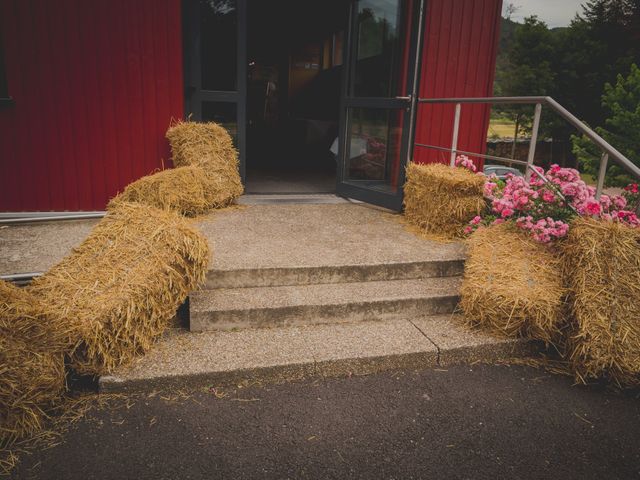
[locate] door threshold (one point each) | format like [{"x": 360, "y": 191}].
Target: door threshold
[{"x": 291, "y": 198}]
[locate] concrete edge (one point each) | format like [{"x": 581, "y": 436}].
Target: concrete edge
[
  {"x": 273, "y": 374},
  {"x": 488, "y": 352},
  {"x": 277, "y": 374},
  {"x": 289, "y": 276}
]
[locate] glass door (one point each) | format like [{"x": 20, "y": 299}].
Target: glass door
[
  {"x": 216, "y": 65},
  {"x": 378, "y": 100}
]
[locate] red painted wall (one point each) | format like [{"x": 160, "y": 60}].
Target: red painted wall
[
  {"x": 459, "y": 56},
  {"x": 95, "y": 84}
]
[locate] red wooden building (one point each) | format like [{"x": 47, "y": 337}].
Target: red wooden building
[{"x": 319, "y": 88}]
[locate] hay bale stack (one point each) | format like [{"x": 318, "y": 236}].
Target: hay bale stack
[
  {"x": 512, "y": 285},
  {"x": 441, "y": 200},
  {"x": 194, "y": 143},
  {"x": 209, "y": 146},
  {"x": 32, "y": 375},
  {"x": 189, "y": 191},
  {"x": 601, "y": 266},
  {"x": 120, "y": 288}
]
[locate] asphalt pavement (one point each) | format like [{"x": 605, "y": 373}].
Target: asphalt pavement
[{"x": 467, "y": 422}]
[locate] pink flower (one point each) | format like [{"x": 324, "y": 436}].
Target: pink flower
[
  {"x": 476, "y": 220},
  {"x": 507, "y": 212},
  {"x": 632, "y": 187},
  {"x": 619, "y": 202},
  {"x": 605, "y": 202},
  {"x": 548, "y": 196},
  {"x": 465, "y": 162},
  {"x": 489, "y": 187},
  {"x": 468, "y": 229},
  {"x": 593, "y": 208}
]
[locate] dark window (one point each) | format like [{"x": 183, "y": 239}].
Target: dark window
[{"x": 219, "y": 38}]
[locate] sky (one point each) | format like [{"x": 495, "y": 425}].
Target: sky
[{"x": 556, "y": 13}]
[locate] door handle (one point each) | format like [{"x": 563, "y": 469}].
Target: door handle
[{"x": 408, "y": 98}]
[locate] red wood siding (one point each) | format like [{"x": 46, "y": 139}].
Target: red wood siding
[
  {"x": 95, "y": 84},
  {"x": 459, "y": 56}
]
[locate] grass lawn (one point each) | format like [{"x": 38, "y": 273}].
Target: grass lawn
[{"x": 501, "y": 128}]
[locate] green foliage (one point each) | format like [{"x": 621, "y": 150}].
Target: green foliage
[
  {"x": 599, "y": 44},
  {"x": 621, "y": 129},
  {"x": 573, "y": 65},
  {"x": 526, "y": 68}
]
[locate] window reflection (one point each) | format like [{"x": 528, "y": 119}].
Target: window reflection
[
  {"x": 374, "y": 147},
  {"x": 218, "y": 44},
  {"x": 378, "y": 48}
]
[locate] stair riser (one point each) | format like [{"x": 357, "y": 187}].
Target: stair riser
[
  {"x": 320, "y": 314},
  {"x": 272, "y": 277}
]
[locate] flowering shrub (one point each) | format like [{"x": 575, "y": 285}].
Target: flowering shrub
[
  {"x": 544, "y": 209},
  {"x": 631, "y": 194},
  {"x": 465, "y": 162}
]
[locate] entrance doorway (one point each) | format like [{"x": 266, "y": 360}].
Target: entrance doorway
[
  {"x": 319, "y": 95},
  {"x": 295, "y": 60}
]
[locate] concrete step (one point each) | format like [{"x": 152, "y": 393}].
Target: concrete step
[
  {"x": 234, "y": 308},
  {"x": 188, "y": 360},
  {"x": 306, "y": 275}
]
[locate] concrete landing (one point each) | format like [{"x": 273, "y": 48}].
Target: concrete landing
[
  {"x": 184, "y": 359},
  {"x": 285, "y": 236},
  {"x": 299, "y": 236}
]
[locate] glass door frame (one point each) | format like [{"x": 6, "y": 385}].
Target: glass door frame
[
  {"x": 351, "y": 189},
  {"x": 194, "y": 95}
]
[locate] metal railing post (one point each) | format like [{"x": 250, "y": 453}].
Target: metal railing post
[
  {"x": 604, "y": 160},
  {"x": 454, "y": 140},
  {"x": 534, "y": 140}
]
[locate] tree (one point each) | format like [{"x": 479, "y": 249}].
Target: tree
[
  {"x": 598, "y": 45},
  {"x": 528, "y": 71},
  {"x": 510, "y": 9},
  {"x": 622, "y": 128}
]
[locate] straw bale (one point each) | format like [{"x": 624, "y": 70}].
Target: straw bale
[
  {"x": 190, "y": 190},
  {"x": 21, "y": 316},
  {"x": 32, "y": 375},
  {"x": 512, "y": 285},
  {"x": 31, "y": 381},
  {"x": 209, "y": 146},
  {"x": 120, "y": 288},
  {"x": 601, "y": 266},
  {"x": 196, "y": 143},
  {"x": 441, "y": 200}
]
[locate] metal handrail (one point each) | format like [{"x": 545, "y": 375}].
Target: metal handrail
[
  {"x": 608, "y": 151},
  {"x": 37, "y": 217},
  {"x": 21, "y": 278}
]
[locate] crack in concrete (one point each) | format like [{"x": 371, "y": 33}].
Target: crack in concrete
[{"x": 430, "y": 340}]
